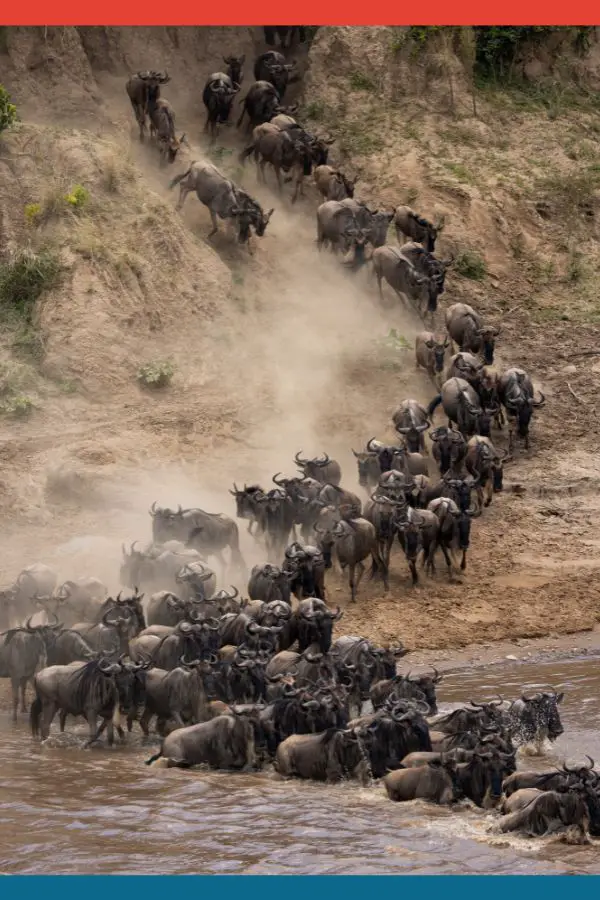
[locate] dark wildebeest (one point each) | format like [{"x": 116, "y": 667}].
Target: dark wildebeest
[
  {"x": 393, "y": 733},
  {"x": 225, "y": 742},
  {"x": 416, "y": 531},
  {"x": 272, "y": 67},
  {"x": 235, "y": 68},
  {"x": 306, "y": 567},
  {"x": 162, "y": 130},
  {"x": 329, "y": 756},
  {"x": 352, "y": 541},
  {"x": 208, "y": 533},
  {"x": 405, "y": 279},
  {"x": 374, "y": 223},
  {"x": 484, "y": 462},
  {"x": 268, "y": 584},
  {"x": 546, "y": 812},
  {"x": 404, "y": 687},
  {"x": 34, "y": 584},
  {"x": 454, "y": 532},
  {"x": 117, "y": 626},
  {"x": 277, "y": 515},
  {"x": 247, "y": 506},
  {"x": 287, "y": 150},
  {"x": 463, "y": 407},
  {"x": 552, "y": 780},
  {"x": 156, "y": 569},
  {"x": 338, "y": 226},
  {"x": 409, "y": 224},
  {"x": 516, "y": 393},
  {"x": 430, "y": 352},
  {"x": 324, "y": 470},
  {"x": 427, "y": 264},
  {"x": 314, "y": 624},
  {"x": 449, "y": 449},
  {"x": 467, "y": 329},
  {"x": 23, "y": 651},
  {"x": 223, "y": 199},
  {"x": 180, "y": 695},
  {"x": 465, "y": 365},
  {"x": 536, "y": 719},
  {"x": 411, "y": 420},
  {"x": 287, "y": 34},
  {"x": 333, "y": 184},
  {"x": 217, "y": 97},
  {"x": 143, "y": 90},
  {"x": 261, "y": 104},
  {"x": 90, "y": 690},
  {"x": 192, "y": 641}
]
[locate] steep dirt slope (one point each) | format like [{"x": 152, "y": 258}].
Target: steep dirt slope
[{"x": 282, "y": 350}]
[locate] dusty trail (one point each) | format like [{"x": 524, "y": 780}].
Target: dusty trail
[{"x": 290, "y": 357}]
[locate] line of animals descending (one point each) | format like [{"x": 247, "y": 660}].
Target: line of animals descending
[{"x": 246, "y": 683}]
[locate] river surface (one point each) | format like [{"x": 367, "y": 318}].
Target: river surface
[{"x": 68, "y": 811}]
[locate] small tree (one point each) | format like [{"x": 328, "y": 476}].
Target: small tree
[{"x": 8, "y": 110}]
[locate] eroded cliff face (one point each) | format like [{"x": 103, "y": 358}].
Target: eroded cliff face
[{"x": 278, "y": 351}]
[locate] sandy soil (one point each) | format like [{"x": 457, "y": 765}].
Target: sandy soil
[{"x": 283, "y": 349}]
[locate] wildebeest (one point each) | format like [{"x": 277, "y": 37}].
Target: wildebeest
[
  {"x": 217, "y": 96},
  {"x": 117, "y": 626},
  {"x": 374, "y": 223},
  {"x": 454, "y": 532},
  {"x": 536, "y": 718},
  {"x": 269, "y": 583},
  {"x": 467, "y": 329},
  {"x": 433, "y": 782},
  {"x": 467, "y": 366},
  {"x": 337, "y": 226},
  {"x": 404, "y": 279},
  {"x": 225, "y": 742},
  {"x": 287, "y": 150},
  {"x": 411, "y": 420},
  {"x": 286, "y": 34},
  {"x": 90, "y": 690},
  {"x": 208, "y": 533},
  {"x": 23, "y": 651},
  {"x": 449, "y": 449},
  {"x": 35, "y": 584},
  {"x": 517, "y": 395},
  {"x": 223, "y": 199},
  {"x": 409, "y": 224},
  {"x": 235, "y": 68},
  {"x": 77, "y": 601},
  {"x": 162, "y": 129},
  {"x": 261, "y": 104},
  {"x": 333, "y": 184},
  {"x": 329, "y": 756},
  {"x": 247, "y": 506},
  {"x": 314, "y": 624},
  {"x": 272, "y": 67},
  {"x": 277, "y": 515},
  {"x": 430, "y": 352},
  {"x": 463, "y": 407},
  {"x": 324, "y": 470},
  {"x": 485, "y": 462},
  {"x": 553, "y": 780},
  {"x": 306, "y": 567},
  {"x": 427, "y": 264},
  {"x": 143, "y": 90},
  {"x": 352, "y": 541},
  {"x": 546, "y": 812},
  {"x": 156, "y": 569},
  {"x": 178, "y": 694},
  {"x": 403, "y": 686}
]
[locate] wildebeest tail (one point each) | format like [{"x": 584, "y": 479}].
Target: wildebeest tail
[
  {"x": 434, "y": 404},
  {"x": 34, "y": 716},
  {"x": 179, "y": 178},
  {"x": 154, "y": 758}
]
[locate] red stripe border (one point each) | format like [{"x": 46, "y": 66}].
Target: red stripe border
[{"x": 349, "y": 12}]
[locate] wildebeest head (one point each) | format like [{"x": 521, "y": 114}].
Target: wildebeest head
[
  {"x": 246, "y": 500},
  {"x": 312, "y": 467},
  {"x": 451, "y": 445},
  {"x": 249, "y": 214},
  {"x": 380, "y": 223},
  {"x": 427, "y": 684},
  {"x": 171, "y": 146},
  {"x": 439, "y": 352},
  {"x": 195, "y": 574},
  {"x": 368, "y": 467},
  {"x": 315, "y": 623},
  {"x": 130, "y": 565},
  {"x": 545, "y": 711},
  {"x": 522, "y": 406}
]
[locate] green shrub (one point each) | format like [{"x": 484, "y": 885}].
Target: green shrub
[
  {"x": 33, "y": 213},
  {"x": 25, "y": 276},
  {"x": 470, "y": 264},
  {"x": 8, "y": 110},
  {"x": 156, "y": 374},
  {"x": 361, "y": 82},
  {"x": 18, "y": 406},
  {"x": 77, "y": 198}
]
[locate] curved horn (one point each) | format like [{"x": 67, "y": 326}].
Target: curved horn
[{"x": 152, "y": 510}]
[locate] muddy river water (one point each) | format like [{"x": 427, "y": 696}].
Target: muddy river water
[{"x": 64, "y": 810}]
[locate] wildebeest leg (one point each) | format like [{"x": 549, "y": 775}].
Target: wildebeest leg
[
  {"x": 488, "y": 491},
  {"x": 261, "y": 170},
  {"x": 447, "y": 558},
  {"x": 15, "y": 683},
  {"x": 213, "y": 218},
  {"x": 23, "y": 691},
  {"x": 92, "y": 720},
  {"x": 278, "y": 176},
  {"x": 183, "y": 192},
  {"x": 48, "y": 713},
  {"x": 463, "y": 562},
  {"x": 145, "y": 721},
  {"x": 379, "y": 286},
  {"x": 412, "y": 565},
  {"x": 62, "y": 721}
]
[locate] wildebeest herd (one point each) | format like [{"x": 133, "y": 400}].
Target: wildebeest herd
[{"x": 250, "y": 683}]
